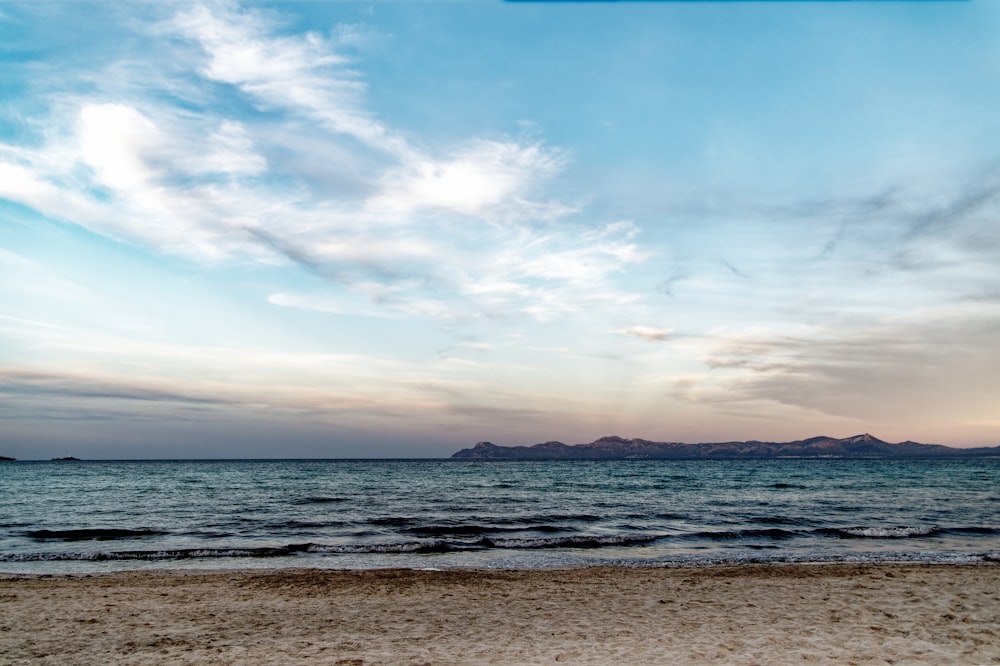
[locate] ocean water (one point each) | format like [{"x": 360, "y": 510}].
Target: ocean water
[{"x": 58, "y": 517}]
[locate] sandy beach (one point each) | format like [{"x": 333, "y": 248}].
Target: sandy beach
[{"x": 840, "y": 614}]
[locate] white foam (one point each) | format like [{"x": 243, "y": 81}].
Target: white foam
[{"x": 889, "y": 532}]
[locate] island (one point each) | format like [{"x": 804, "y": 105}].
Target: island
[
  {"x": 65, "y": 458},
  {"x": 618, "y": 448},
  {"x": 5, "y": 458}
]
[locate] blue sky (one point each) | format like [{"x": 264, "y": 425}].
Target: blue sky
[{"x": 352, "y": 229}]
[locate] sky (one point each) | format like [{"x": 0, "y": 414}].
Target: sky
[{"x": 394, "y": 229}]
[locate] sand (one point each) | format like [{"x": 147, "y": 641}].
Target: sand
[{"x": 842, "y": 614}]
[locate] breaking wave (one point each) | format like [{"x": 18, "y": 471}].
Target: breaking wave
[
  {"x": 571, "y": 542},
  {"x": 879, "y": 532}
]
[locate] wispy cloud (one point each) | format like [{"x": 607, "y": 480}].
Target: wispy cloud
[
  {"x": 448, "y": 233},
  {"x": 650, "y": 333},
  {"x": 21, "y": 383},
  {"x": 299, "y": 73},
  {"x": 917, "y": 368}
]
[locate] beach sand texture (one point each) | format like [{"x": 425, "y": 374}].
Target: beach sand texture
[{"x": 787, "y": 614}]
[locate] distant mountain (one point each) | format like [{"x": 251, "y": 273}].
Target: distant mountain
[{"x": 618, "y": 448}]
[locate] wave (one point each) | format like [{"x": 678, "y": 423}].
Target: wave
[
  {"x": 320, "y": 500},
  {"x": 444, "y": 538},
  {"x": 234, "y": 552},
  {"x": 855, "y": 532},
  {"x": 168, "y": 554},
  {"x": 892, "y": 557},
  {"x": 475, "y": 530},
  {"x": 444, "y": 546},
  {"x": 780, "y": 520},
  {"x": 665, "y": 515},
  {"x": 91, "y": 534},
  {"x": 541, "y": 522},
  {"x": 415, "y": 547},
  {"x": 292, "y": 550},
  {"x": 302, "y": 524},
  {"x": 901, "y": 532},
  {"x": 391, "y": 521},
  {"x": 577, "y": 541},
  {"x": 555, "y": 518},
  {"x": 905, "y": 532},
  {"x": 979, "y": 531},
  {"x": 732, "y": 535},
  {"x": 403, "y": 547}
]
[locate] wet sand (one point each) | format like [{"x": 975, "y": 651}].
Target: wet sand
[{"x": 784, "y": 614}]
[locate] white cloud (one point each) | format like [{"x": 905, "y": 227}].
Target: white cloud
[
  {"x": 302, "y": 73},
  {"x": 128, "y": 151},
  {"x": 113, "y": 140},
  {"x": 650, "y": 333},
  {"x": 322, "y": 303},
  {"x": 579, "y": 258},
  {"x": 452, "y": 234},
  {"x": 483, "y": 174},
  {"x": 372, "y": 249},
  {"x": 146, "y": 175},
  {"x": 230, "y": 150},
  {"x": 33, "y": 187},
  {"x": 306, "y": 303}
]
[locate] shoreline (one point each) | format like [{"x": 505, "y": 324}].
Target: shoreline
[{"x": 744, "y": 614}]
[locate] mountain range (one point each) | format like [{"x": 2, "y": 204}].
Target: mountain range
[{"x": 619, "y": 448}]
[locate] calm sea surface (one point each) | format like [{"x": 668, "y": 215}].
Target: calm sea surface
[{"x": 101, "y": 516}]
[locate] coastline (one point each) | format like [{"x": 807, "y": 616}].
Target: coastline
[{"x": 746, "y": 614}]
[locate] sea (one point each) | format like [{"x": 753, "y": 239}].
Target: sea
[{"x": 99, "y": 516}]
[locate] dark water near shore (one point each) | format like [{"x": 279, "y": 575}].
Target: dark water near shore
[{"x": 100, "y": 516}]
